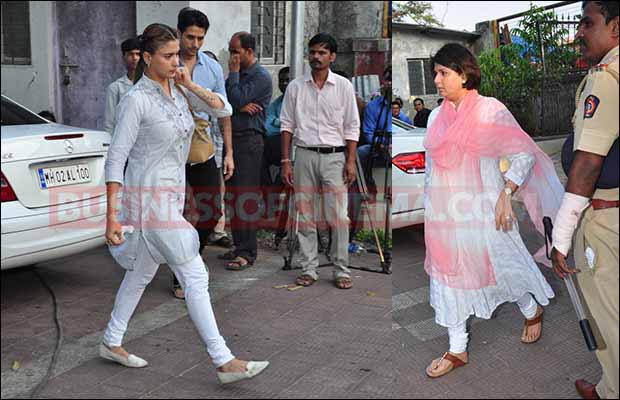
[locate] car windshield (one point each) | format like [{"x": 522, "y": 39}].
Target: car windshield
[
  {"x": 401, "y": 127},
  {"x": 14, "y": 114}
]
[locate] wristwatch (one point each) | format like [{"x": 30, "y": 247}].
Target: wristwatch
[{"x": 508, "y": 191}]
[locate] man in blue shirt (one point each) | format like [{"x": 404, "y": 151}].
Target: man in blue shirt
[
  {"x": 377, "y": 122},
  {"x": 398, "y": 114},
  {"x": 273, "y": 186},
  {"x": 203, "y": 178},
  {"x": 249, "y": 90},
  {"x": 273, "y": 148}
]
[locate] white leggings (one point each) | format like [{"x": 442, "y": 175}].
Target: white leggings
[
  {"x": 194, "y": 278},
  {"x": 459, "y": 336}
]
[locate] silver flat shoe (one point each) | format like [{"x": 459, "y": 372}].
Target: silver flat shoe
[
  {"x": 254, "y": 368},
  {"x": 131, "y": 361}
]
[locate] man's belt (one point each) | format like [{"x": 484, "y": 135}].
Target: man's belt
[
  {"x": 325, "y": 150},
  {"x": 599, "y": 204}
]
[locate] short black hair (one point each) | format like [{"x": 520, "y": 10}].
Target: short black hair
[
  {"x": 284, "y": 70},
  {"x": 397, "y": 103},
  {"x": 400, "y": 101},
  {"x": 459, "y": 59},
  {"x": 418, "y": 99},
  {"x": 189, "y": 17},
  {"x": 48, "y": 115},
  {"x": 609, "y": 9},
  {"x": 247, "y": 40},
  {"x": 130, "y": 44},
  {"x": 327, "y": 40}
]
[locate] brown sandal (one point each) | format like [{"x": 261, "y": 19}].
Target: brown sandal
[
  {"x": 239, "y": 264},
  {"x": 455, "y": 362},
  {"x": 344, "y": 283},
  {"x": 531, "y": 322},
  {"x": 305, "y": 280}
]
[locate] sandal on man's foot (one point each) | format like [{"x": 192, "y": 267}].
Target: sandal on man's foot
[
  {"x": 531, "y": 322},
  {"x": 239, "y": 264},
  {"x": 435, "y": 370},
  {"x": 305, "y": 280},
  {"x": 343, "y": 282},
  {"x": 229, "y": 255}
]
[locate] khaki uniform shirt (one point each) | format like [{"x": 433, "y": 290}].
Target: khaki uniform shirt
[{"x": 596, "y": 116}]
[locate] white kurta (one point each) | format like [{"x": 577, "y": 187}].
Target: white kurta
[
  {"x": 153, "y": 134},
  {"x": 516, "y": 272}
]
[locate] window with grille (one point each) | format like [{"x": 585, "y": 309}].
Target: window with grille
[
  {"x": 268, "y": 19},
  {"x": 421, "y": 77},
  {"x": 16, "y": 33}
]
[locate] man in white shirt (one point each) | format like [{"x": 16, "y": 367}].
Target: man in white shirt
[
  {"x": 117, "y": 89},
  {"x": 319, "y": 113}
]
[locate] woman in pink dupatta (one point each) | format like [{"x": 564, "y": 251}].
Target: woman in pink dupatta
[{"x": 478, "y": 161}]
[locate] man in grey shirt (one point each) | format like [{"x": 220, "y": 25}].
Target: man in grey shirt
[
  {"x": 249, "y": 89},
  {"x": 117, "y": 89}
]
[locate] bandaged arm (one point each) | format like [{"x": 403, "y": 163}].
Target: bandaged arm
[
  {"x": 567, "y": 220},
  {"x": 582, "y": 177}
]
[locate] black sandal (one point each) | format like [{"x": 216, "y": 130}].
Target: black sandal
[{"x": 237, "y": 265}]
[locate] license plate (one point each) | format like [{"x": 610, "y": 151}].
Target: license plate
[{"x": 63, "y": 176}]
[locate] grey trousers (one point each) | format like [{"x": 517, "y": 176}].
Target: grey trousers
[{"x": 321, "y": 176}]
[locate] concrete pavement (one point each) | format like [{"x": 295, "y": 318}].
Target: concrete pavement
[
  {"x": 321, "y": 341},
  {"x": 500, "y": 366}
]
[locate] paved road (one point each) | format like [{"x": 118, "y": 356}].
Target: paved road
[{"x": 322, "y": 341}]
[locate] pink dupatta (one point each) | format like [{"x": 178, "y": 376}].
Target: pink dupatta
[{"x": 460, "y": 211}]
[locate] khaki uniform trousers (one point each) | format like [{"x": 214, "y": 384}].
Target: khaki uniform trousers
[{"x": 598, "y": 281}]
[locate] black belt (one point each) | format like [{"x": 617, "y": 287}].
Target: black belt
[{"x": 325, "y": 150}]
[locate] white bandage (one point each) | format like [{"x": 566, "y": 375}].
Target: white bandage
[{"x": 567, "y": 219}]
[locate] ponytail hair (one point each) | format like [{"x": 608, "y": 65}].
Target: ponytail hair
[{"x": 154, "y": 36}]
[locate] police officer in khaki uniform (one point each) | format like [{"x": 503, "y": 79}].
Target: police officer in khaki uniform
[{"x": 592, "y": 190}]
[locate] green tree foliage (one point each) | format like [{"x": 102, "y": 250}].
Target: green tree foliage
[
  {"x": 514, "y": 73},
  {"x": 419, "y": 11}
]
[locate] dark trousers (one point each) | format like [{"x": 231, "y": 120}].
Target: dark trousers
[
  {"x": 272, "y": 155},
  {"x": 204, "y": 179},
  {"x": 243, "y": 197}
]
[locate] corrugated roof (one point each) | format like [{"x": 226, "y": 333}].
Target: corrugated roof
[{"x": 431, "y": 30}]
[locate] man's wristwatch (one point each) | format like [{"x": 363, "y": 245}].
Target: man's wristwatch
[{"x": 508, "y": 191}]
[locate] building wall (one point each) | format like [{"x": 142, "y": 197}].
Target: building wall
[
  {"x": 407, "y": 45},
  {"x": 165, "y": 12},
  {"x": 33, "y": 85},
  {"x": 37, "y": 85}
]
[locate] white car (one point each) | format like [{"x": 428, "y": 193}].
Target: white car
[
  {"x": 408, "y": 166},
  {"x": 53, "y": 188}
]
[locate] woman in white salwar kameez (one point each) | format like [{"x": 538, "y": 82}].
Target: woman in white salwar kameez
[
  {"x": 152, "y": 134},
  {"x": 478, "y": 159}
]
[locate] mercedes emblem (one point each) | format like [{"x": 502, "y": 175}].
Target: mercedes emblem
[{"x": 68, "y": 146}]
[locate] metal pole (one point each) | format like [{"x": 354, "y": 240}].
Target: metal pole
[
  {"x": 542, "y": 91},
  {"x": 297, "y": 40}
]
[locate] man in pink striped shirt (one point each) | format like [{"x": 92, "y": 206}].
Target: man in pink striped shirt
[{"x": 319, "y": 115}]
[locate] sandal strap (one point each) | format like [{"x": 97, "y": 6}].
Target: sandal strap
[
  {"x": 456, "y": 362},
  {"x": 535, "y": 321}
]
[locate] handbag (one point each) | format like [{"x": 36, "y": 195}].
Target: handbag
[{"x": 202, "y": 148}]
